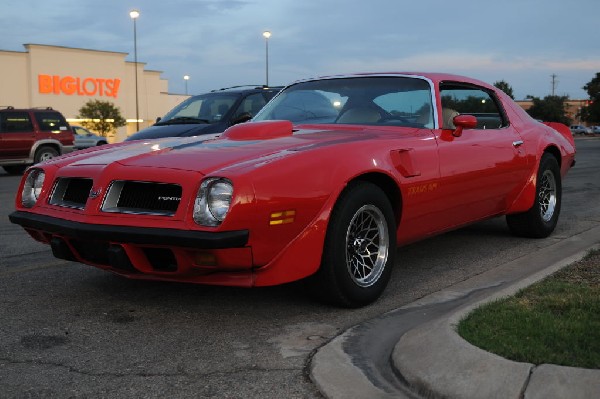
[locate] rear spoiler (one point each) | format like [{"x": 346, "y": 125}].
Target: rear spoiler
[{"x": 562, "y": 129}]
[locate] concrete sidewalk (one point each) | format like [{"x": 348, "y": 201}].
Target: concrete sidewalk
[{"x": 415, "y": 351}]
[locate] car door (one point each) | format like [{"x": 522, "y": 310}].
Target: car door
[
  {"x": 483, "y": 168},
  {"x": 17, "y": 134}
]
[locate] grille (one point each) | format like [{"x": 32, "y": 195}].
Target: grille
[
  {"x": 71, "y": 192},
  {"x": 142, "y": 198}
]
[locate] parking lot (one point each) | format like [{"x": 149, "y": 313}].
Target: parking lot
[{"x": 70, "y": 330}]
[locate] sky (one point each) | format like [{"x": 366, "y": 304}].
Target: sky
[{"x": 219, "y": 43}]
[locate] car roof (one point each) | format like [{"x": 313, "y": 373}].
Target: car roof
[
  {"x": 435, "y": 77},
  {"x": 246, "y": 89},
  {"x": 11, "y": 108}
]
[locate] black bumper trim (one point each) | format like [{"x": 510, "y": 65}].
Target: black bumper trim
[{"x": 128, "y": 234}]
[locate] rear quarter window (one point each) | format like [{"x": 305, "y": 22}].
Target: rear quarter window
[{"x": 51, "y": 122}]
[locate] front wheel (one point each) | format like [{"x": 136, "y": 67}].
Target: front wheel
[
  {"x": 360, "y": 248},
  {"x": 541, "y": 219}
]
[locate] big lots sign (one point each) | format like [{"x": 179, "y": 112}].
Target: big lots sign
[{"x": 70, "y": 85}]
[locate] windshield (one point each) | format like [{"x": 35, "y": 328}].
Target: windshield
[
  {"x": 377, "y": 100},
  {"x": 205, "y": 108}
]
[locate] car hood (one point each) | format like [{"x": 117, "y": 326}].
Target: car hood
[
  {"x": 251, "y": 144},
  {"x": 178, "y": 130}
]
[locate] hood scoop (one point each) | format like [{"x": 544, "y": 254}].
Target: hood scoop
[{"x": 259, "y": 130}]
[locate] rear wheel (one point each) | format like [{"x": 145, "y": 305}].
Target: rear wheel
[
  {"x": 360, "y": 248},
  {"x": 44, "y": 153},
  {"x": 541, "y": 219}
]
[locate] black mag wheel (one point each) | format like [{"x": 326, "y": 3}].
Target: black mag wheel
[
  {"x": 541, "y": 219},
  {"x": 360, "y": 248}
]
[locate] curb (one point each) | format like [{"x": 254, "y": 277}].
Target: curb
[
  {"x": 421, "y": 356},
  {"x": 429, "y": 359}
]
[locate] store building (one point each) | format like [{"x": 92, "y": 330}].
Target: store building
[
  {"x": 573, "y": 109},
  {"x": 66, "y": 78}
]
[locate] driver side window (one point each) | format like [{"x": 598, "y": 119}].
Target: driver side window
[
  {"x": 472, "y": 101},
  {"x": 251, "y": 104}
]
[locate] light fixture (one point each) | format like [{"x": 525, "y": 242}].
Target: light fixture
[
  {"x": 186, "y": 78},
  {"x": 267, "y": 35}
]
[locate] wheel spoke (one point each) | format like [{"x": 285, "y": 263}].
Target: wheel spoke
[
  {"x": 367, "y": 245},
  {"x": 547, "y": 195}
]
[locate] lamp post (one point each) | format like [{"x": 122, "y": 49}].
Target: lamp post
[
  {"x": 267, "y": 35},
  {"x": 186, "y": 78},
  {"x": 134, "y": 14}
]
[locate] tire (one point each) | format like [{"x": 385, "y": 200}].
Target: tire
[
  {"x": 44, "y": 153},
  {"x": 15, "y": 169},
  {"x": 357, "y": 263},
  {"x": 541, "y": 219},
  {"x": 100, "y": 143}
]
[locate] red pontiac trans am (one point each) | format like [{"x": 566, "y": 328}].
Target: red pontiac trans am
[{"x": 326, "y": 181}]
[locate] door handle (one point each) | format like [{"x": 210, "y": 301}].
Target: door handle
[{"x": 517, "y": 143}]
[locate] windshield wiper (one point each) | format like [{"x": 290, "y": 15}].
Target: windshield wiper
[{"x": 182, "y": 120}]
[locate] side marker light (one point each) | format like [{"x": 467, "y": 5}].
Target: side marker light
[{"x": 282, "y": 217}]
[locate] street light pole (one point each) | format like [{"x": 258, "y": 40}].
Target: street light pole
[
  {"x": 186, "y": 78},
  {"x": 267, "y": 35},
  {"x": 134, "y": 14}
]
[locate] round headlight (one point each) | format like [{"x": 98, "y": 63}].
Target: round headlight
[
  {"x": 219, "y": 199},
  {"x": 213, "y": 201},
  {"x": 32, "y": 188}
]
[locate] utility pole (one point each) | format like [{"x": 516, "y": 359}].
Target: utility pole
[{"x": 554, "y": 83}]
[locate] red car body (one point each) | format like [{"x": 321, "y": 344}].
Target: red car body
[{"x": 287, "y": 177}]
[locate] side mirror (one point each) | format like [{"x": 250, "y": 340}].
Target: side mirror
[
  {"x": 243, "y": 117},
  {"x": 158, "y": 118},
  {"x": 463, "y": 122}
]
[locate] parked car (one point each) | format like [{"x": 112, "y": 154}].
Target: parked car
[
  {"x": 595, "y": 129},
  {"x": 580, "y": 129},
  {"x": 209, "y": 113},
  {"x": 371, "y": 162},
  {"x": 86, "y": 139},
  {"x": 32, "y": 135}
]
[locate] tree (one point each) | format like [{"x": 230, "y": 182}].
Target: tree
[
  {"x": 550, "y": 109},
  {"x": 101, "y": 116},
  {"x": 591, "y": 112},
  {"x": 505, "y": 87}
]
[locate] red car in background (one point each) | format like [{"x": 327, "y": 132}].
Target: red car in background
[{"x": 331, "y": 176}]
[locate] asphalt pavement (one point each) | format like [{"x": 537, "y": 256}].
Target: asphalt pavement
[
  {"x": 69, "y": 330},
  {"x": 415, "y": 351}
]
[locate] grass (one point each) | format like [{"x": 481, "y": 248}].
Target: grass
[{"x": 556, "y": 320}]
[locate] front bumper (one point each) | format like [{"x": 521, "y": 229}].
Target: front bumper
[
  {"x": 219, "y": 258},
  {"x": 129, "y": 234}
]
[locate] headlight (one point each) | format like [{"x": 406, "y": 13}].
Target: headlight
[
  {"x": 32, "y": 188},
  {"x": 213, "y": 201}
]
